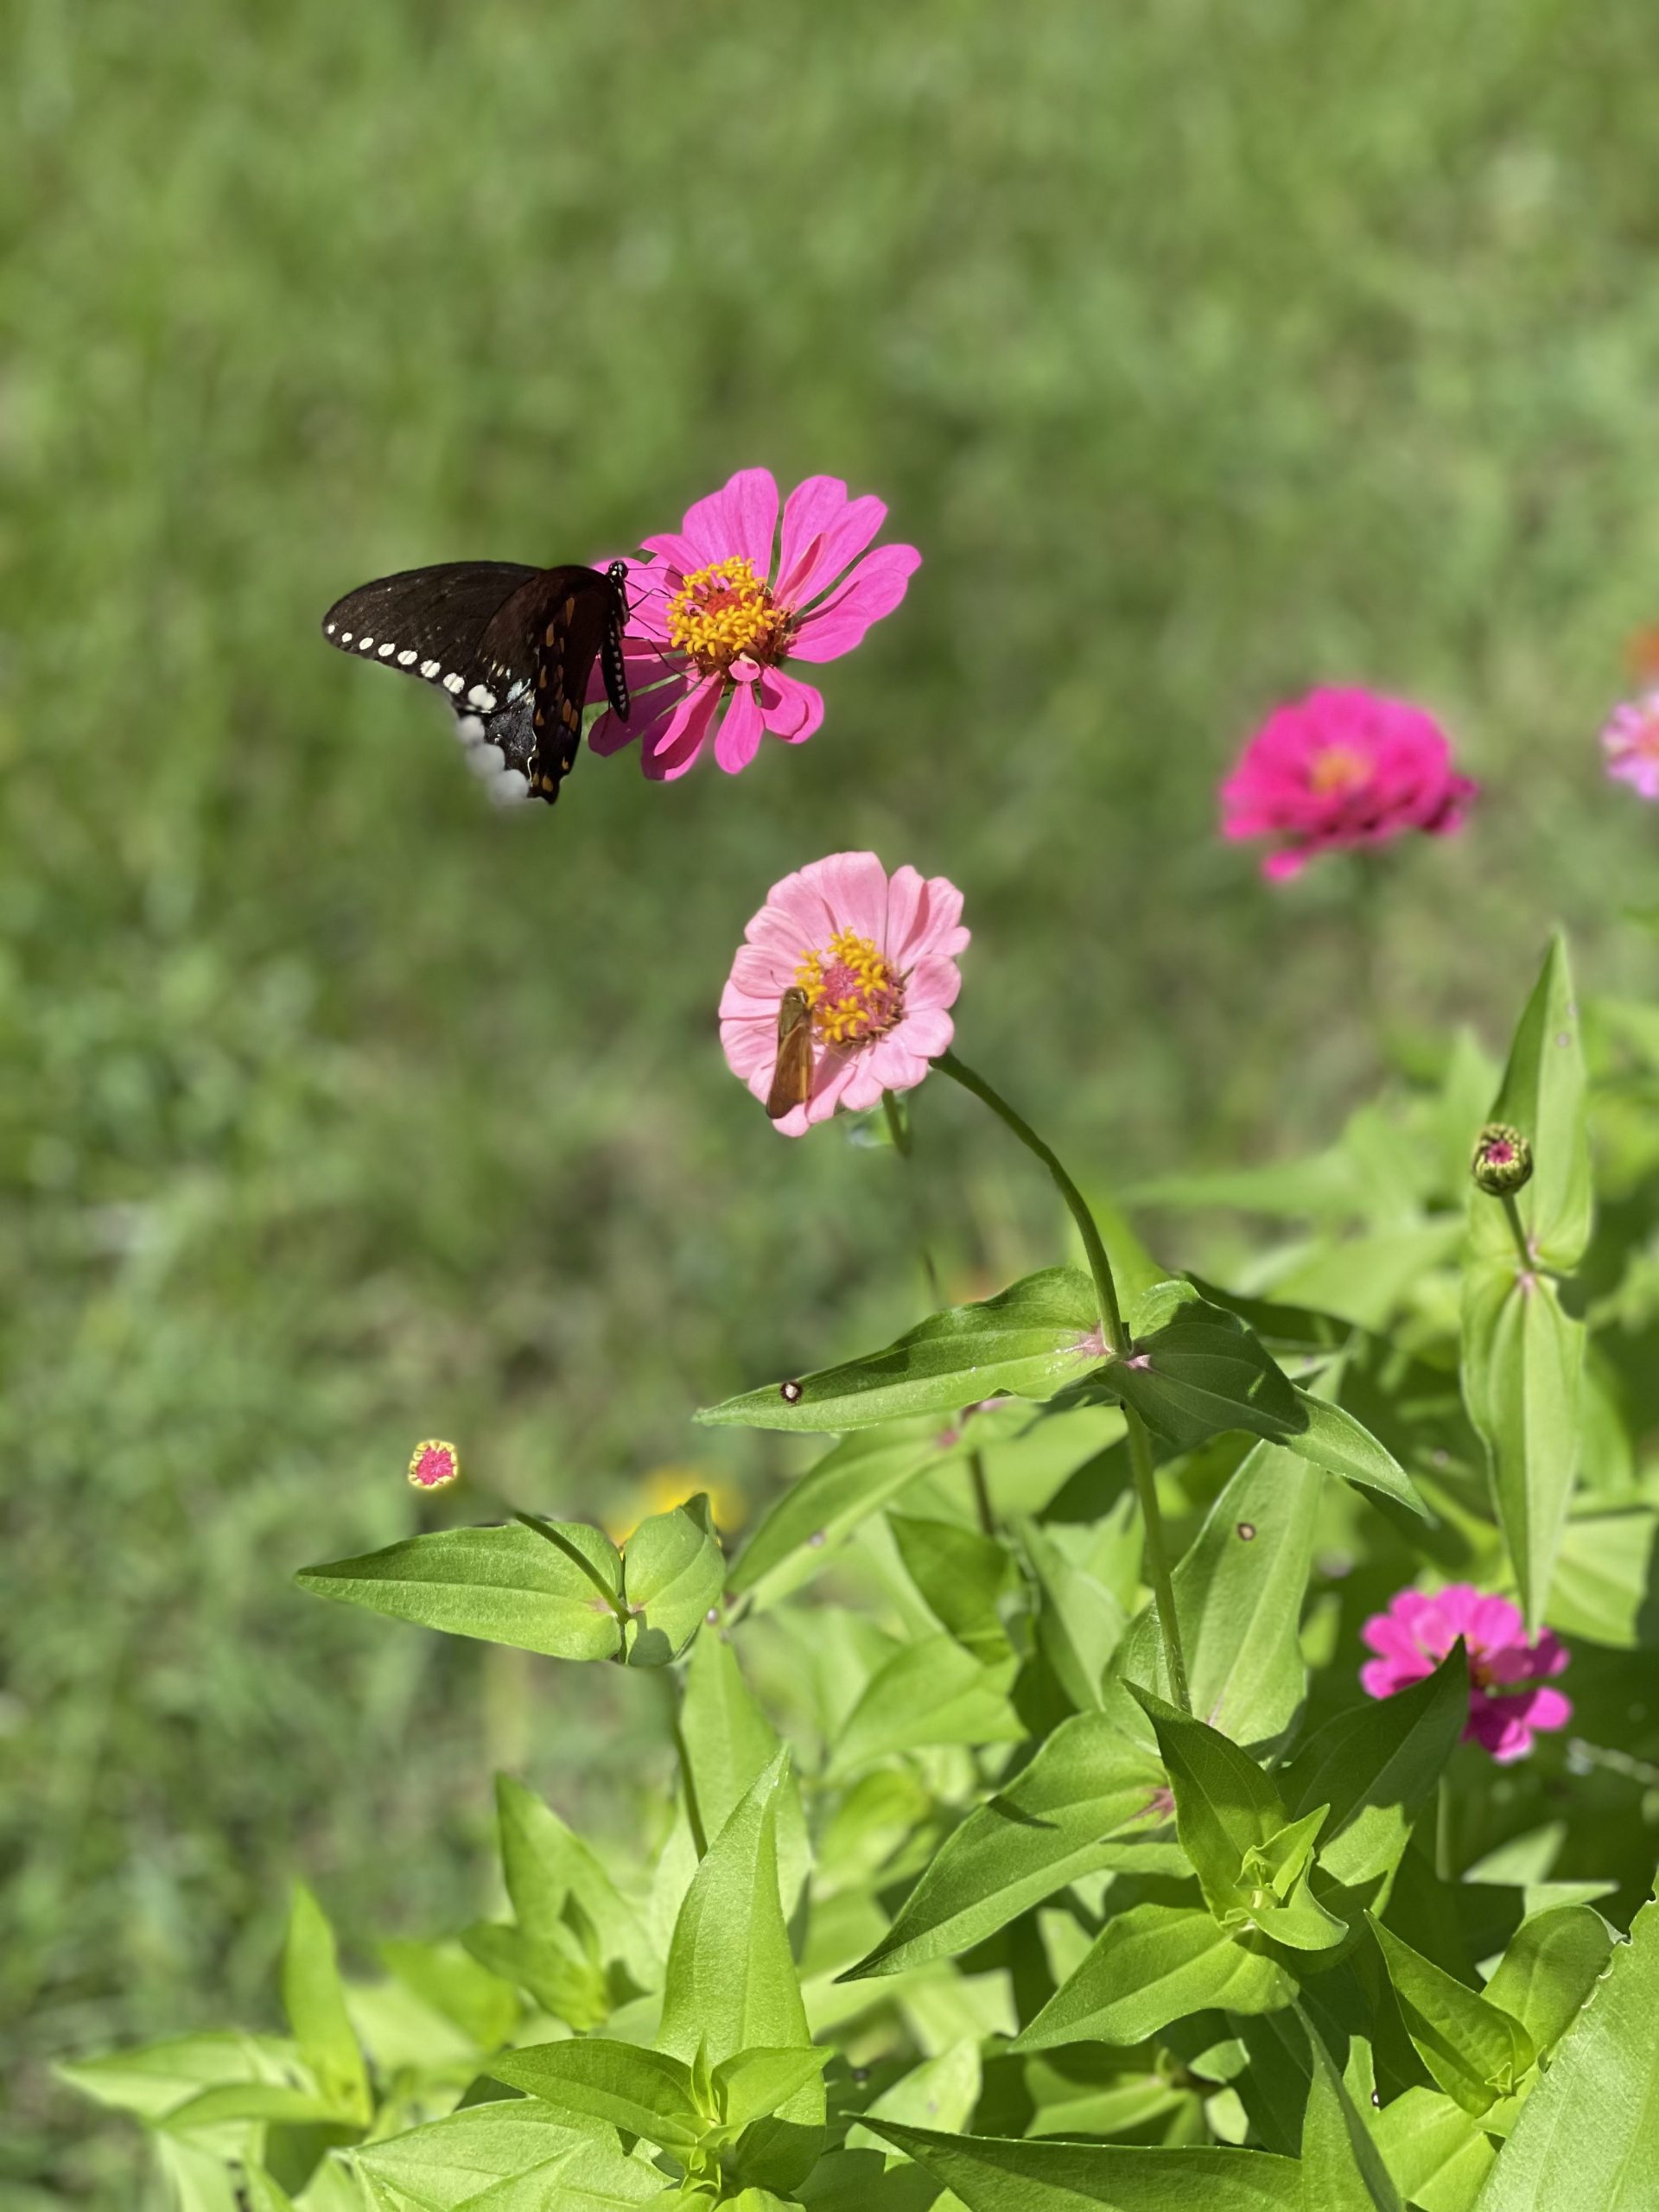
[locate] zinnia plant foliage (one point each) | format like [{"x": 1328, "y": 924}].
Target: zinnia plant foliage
[{"x": 1175, "y": 1743}]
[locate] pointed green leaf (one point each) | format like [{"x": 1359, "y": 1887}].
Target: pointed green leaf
[
  {"x": 989, "y": 2176},
  {"x": 1225, "y": 1806},
  {"x": 1375, "y": 1766},
  {"x": 550, "y": 1871},
  {"x": 962, "y": 1575},
  {"x": 550, "y": 1968},
  {"x": 1585, "y": 2138},
  {"x": 275, "y": 2102},
  {"x": 724, "y": 1743},
  {"x": 1605, "y": 1572},
  {"x": 1079, "y": 1622},
  {"x": 1438, "y": 2153},
  {"x": 1553, "y": 1961},
  {"x": 506, "y": 1585},
  {"x": 154, "y": 2078},
  {"x": 1030, "y": 1341},
  {"x": 466, "y": 2158},
  {"x": 1151, "y": 1965},
  {"x": 1522, "y": 1367},
  {"x": 1474, "y": 2050},
  {"x": 1332, "y": 1438},
  {"x": 1238, "y": 1597},
  {"x": 818, "y": 1512},
  {"x": 1341, "y": 2168},
  {"x": 731, "y": 1986},
  {"x": 315, "y": 2004},
  {"x": 645, "y": 2092},
  {"x": 673, "y": 1571},
  {"x": 931, "y": 1692},
  {"x": 757, "y": 2083},
  {"x": 1090, "y": 1798},
  {"x": 444, "y": 1976}
]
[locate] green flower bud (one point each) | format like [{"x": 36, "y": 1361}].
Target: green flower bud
[{"x": 1503, "y": 1160}]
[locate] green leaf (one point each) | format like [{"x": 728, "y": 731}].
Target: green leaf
[
  {"x": 817, "y": 1513},
  {"x": 444, "y": 1976},
  {"x": 1079, "y": 1622},
  {"x": 473, "y": 2158},
  {"x": 506, "y": 1585},
  {"x": 1030, "y": 1340},
  {"x": 1342, "y": 2169},
  {"x": 1151, "y": 1965},
  {"x": 672, "y": 1574},
  {"x": 646, "y": 2091},
  {"x": 930, "y": 1691},
  {"x": 1375, "y": 1766},
  {"x": 757, "y": 2083},
  {"x": 1437, "y": 2152},
  {"x": 273, "y": 2101},
  {"x": 1087, "y": 1800},
  {"x": 1585, "y": 2138},
  {"x": 941, "y": 2093},
  {"x": 1553, "y": 1961},
  {"x": 726, "y": 1742},
  {"x": 1225, "y": 1806},
  {"x": 550, "y": 1968},
  {"x": 315, "y": 2004},
  {"x": 557, "y": 1884},
  {"x": 1238, "y": 1598},
  {"x": 1203, "y": 1372},
  {"x": 962, "y": 1575},
  {"x": 1606, "y": 1576},
  {"x": 989, "y": 2175},
  {"x": 1523, "y": 1366},
  {"x": 1474, "y": 2050},
  {"x": 1333, "y": 1439},
  {"x": 731, "y": 1984},
  {"x": 154, "y": 2078},
  {"x": 1543, "y": 1096}
]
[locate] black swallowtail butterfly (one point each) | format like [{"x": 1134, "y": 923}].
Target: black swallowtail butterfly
[{"x": 510, "y": 648}]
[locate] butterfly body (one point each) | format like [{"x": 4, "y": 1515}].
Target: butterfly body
[
  {"x": 792, "y": 1075},
  {"x": 511, "y": 649}
]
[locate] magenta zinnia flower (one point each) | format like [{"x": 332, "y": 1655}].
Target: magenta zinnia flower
[
  {"x": 1630, "y": 741},
  {"x": 876, "y": 958},
  {"x": 1342, "y": 768},
  {"x": 1509, "y": 1698},
  {"x": 714, "y": 622}
]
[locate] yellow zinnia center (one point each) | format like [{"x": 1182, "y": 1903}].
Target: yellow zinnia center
[
  {"x": 725, "y": 611},
  {"x": 851, "y": 989},
  {"x": 1337, "y": 770}
]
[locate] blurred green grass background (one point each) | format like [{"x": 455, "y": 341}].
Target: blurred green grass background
[{"x": 1206, "y": 349}]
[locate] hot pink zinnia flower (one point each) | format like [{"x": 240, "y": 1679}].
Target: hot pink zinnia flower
[
  {"x": 1342, "y": 768},
  {"x": 713, "y": 623},
  {"x": 876, "y": 960},
  {"x": 1508, "y": 1696},
  {"x": 1631, "y": 740}
]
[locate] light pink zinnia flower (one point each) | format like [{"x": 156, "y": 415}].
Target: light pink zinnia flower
[
  {"x": 1342, "y": 768},
  {"x": 1508, "y": 1696},
  {"x": 1631, "y": 740},
  {"x": 876, "y": 960},
  {"x": 713, "y": 622}
]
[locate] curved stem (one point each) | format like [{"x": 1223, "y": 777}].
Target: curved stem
[
  {"x": 1111, "y": 1317},
  {"x": 1116, "y": 1340}
]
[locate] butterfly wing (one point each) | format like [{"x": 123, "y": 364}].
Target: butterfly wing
[
  {"x": 511, "y": 649},
  {"x": 792, "y": 1075}
]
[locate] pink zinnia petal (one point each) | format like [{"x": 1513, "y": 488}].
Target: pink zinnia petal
[
  {"x": 873, "y": 588},
  {"x": 824, "y": 530},
  {"x": 790, "y": 708},
  {"x": 1418, "y": 1628},
  {"x": 671, "y": 752},
  {"x": 740, "y": 730}
]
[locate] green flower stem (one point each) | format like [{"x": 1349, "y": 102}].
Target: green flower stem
[
  {"x": 1115, "y": 1337},
  {"x": 903, "y": 1137},
  {"x": 1518, "y": 1230}
]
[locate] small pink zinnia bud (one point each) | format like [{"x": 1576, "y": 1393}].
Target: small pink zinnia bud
[
  {"x": 434, "y": 1465},
  {"x": 1339, "y": 769},
  {"x": 1502, "y": 1163},
  {"x": 1509, "y": 1699}
]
